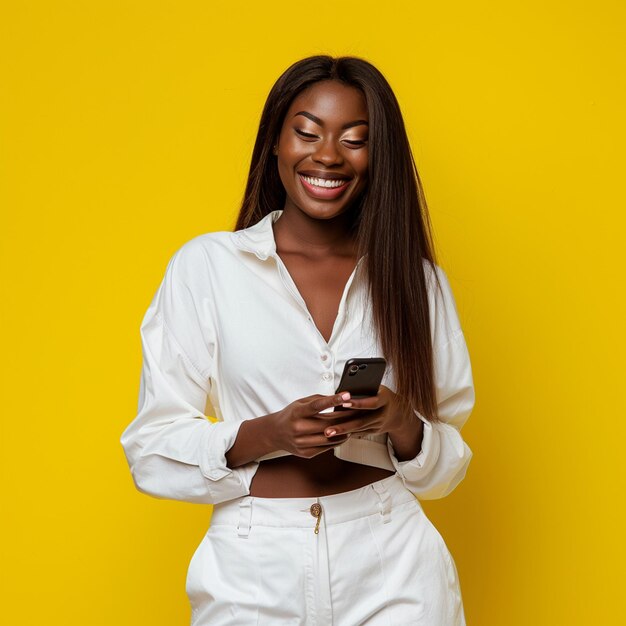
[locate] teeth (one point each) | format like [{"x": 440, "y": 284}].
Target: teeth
[{"x": 323, "y": 182}]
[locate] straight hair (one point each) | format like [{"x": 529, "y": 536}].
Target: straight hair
[{"x": 390, "y": 219}]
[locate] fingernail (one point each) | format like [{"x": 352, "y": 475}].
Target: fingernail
[
  {"x": 345, "y": 395},
  {"x": 330, "y": 433},
  {"x": 347, "y": 404}
]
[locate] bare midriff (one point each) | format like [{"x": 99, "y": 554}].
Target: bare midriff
[{"x": 322, "y": 475}]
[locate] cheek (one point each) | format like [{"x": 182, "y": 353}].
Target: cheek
[
  {"x": 361, "y": 164},
  {"x": 293, "y": 148},
  {"x": 287, "y": 178},
  {"x": 289, "y": 158},
  {"x": 285, "y": 162},
  {"x": 363, "y": 177}
]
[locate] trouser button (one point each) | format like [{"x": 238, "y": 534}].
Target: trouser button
[{"x": 316, "y": 511}]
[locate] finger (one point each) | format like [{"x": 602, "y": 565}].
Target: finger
[
  {"x": 344, "y": 414},
  {"x": 340, "y": 417},
  {"x": 347, "y": 415},
  {"x": 317, "y": 440},
  {"x": 368, "y": 404},
  {"x": 348, "y": 427},
  {"x": 315, "y": 424},
  {"x": 332, "y": 415},
  {"x": 328, "y": 402},
  {"x": 324, "y": 420}
]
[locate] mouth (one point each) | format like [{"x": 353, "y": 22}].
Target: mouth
[{"x": 327, "y": 188}]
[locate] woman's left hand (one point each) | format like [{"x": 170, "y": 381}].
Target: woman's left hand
[
  {"x": 381, "y": 414},
  {"x": 374, "y": 414}
]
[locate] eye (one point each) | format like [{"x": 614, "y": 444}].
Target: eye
[
  {"x": 303, "y": 134},
  {"x": 354, "y": 144}
]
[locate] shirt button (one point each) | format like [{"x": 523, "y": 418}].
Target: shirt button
[
  {"x": 327, "y": 375},
  {"x": 324, "y": 357}
]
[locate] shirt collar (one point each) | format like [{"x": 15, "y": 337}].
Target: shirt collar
[{"x": 259, "y": 238}]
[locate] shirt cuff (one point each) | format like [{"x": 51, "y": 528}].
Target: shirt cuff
[{"x": 226, "y": 483}]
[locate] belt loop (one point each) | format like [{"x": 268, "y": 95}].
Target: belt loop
[
  {"x": 385, "y": 500},
  {"x": 245, "y": 516}
]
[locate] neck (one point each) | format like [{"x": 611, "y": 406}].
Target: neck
[{"x": 295, "y": 231}]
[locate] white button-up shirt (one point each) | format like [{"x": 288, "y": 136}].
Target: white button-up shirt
[{"x": 228, "y": 335}]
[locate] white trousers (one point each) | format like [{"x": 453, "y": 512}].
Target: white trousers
[{"x": 376, "y": 559}]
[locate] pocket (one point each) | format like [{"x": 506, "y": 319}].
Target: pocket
[
  {"x": 438, "y": 537},
  {"x": 223, "y": 578},
  {"x": 453, "y": 599},
  {"x": 414, "y": 577},
  {"x": 192, "y": 581}
]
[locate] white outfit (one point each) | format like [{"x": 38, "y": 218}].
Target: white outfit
[
  {"x": 228, "y": 335},
  {"x": 376, "y": 560}
]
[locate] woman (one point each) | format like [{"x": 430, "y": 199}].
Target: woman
[{"x": 316, "y": 518}]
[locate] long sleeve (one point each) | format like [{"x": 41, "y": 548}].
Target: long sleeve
[
  {"x": 173, "y": 450},
  {"x": 444, "y": 457}
]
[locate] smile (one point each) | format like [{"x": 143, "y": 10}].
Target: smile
[
  {"x": 324, "y": 187},
  {"x": 324, "y": 182}
]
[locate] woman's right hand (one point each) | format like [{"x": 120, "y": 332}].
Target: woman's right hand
[{"x": 299, "y": 427}]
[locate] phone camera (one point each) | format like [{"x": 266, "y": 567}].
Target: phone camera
[{"x": 355, "y": 368}]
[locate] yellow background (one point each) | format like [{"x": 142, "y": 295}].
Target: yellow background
[{"x": 126, "y": 129}]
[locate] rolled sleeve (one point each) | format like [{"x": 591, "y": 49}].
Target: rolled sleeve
[
  {"x": 443, "y": 459},
  {"x": 173, "y": 450},
  {"x": 219, "y": 439},
  {"x": 440, "y": 465},
  {"x": 423, "y": 463}
]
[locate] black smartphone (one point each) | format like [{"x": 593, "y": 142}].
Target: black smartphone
[{"x": 361, "y": 377}]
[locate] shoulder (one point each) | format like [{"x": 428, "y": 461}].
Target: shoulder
[
  {"x": 200, "y": 255},
  {"x": 434, "y": 272},
  {"x": 205, "y": 245},
  {"x": 437, "y": 282},
  {"x": 445, "y": 322}
]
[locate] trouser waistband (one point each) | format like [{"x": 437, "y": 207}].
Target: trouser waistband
[{"x": 379, "y": 497}]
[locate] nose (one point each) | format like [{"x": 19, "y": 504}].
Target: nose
[{"x": 327, "y": 153}]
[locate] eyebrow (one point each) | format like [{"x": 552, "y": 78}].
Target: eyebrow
[{"x": 319, "y": 122}]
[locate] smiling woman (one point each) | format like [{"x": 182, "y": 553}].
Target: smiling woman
[
  {"x": 323, "y": 156},
  {"x": 331, "y": 258}
]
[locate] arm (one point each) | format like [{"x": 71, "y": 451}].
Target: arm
[
  {"x": 441, "y": 463},
  {"x": 407, "y": 441},
  {"x": 253, "y": 442},
  {"x": 173, "y": 451}
]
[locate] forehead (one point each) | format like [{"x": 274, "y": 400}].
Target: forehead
[{"x": 331, "y": 101}]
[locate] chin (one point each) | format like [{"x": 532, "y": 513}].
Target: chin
[{"x": 324, "y": 213}]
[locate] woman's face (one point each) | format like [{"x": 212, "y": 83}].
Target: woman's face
[{"x": 322, "y": 149}]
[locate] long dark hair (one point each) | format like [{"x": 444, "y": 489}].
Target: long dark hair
[{"x": 391, "y": 222}]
